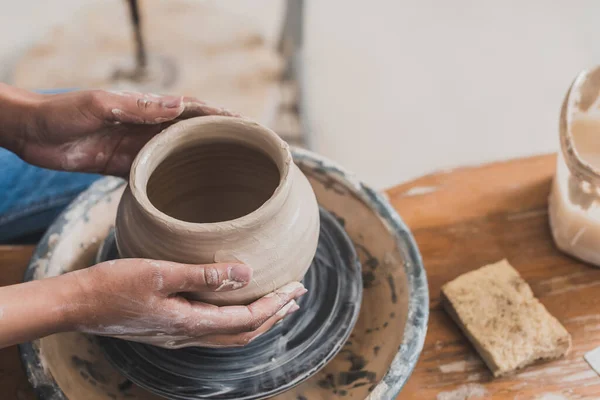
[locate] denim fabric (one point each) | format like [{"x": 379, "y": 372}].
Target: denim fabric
[{"x": 31, "y": 197}]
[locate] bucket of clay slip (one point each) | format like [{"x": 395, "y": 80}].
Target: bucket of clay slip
[{"x": 574, "y": 203}]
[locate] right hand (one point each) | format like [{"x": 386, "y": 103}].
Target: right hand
[
  {"x": 140, "y": 300},
  {"x": 90, "y": 130}
]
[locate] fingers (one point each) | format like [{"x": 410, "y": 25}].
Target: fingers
[
  {"x": 202, "y": 278},
  {"x": 137, "y": 108},
  {"x": 243, "y": 339},
  {"x": 217, "y": 340},
  {"x": 240, "y": 339},
  {"x": 239, "y": 319}
]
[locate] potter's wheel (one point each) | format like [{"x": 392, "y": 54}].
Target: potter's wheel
[
  {"x": 374, "y": 362},
  {"x": 285, "y": 356}
]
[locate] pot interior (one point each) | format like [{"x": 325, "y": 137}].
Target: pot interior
[{"x": 213, "y": 182}]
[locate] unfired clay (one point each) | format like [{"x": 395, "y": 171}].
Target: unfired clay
[{"x": 221, "y": 189}]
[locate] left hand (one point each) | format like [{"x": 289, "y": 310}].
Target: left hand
[
  {"x": 142, "y": 300},
  {"x": 97, "y": 131}
]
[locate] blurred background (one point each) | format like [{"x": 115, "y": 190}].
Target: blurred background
[{"x": 389, "y": 89}]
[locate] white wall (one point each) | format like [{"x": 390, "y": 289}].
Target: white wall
[
  {"x": 22, "y": 23},
  {"x": 396, "y": 89}
]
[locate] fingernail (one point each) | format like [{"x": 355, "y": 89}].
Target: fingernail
[
  {"x": 285, "y": 309},
  {"x": 290, "y": 288},
  {"x": 229, "y": 286},
  {"x": 295, "y": 307},
  {"x": 255, "y": 337},
  {"x": 171, "y": 102},
  {"x": 240, "y": 273}
]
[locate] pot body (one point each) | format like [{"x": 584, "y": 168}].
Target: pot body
[{"x": 209, "y": 169}]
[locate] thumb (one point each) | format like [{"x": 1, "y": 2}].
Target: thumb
[
  {"x": 206, "y": 278},
  {"x": 139, "y": 108}
]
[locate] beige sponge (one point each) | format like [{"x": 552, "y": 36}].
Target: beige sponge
[{"x": 498, "y": 312}]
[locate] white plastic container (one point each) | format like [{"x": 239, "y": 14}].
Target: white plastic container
[{"x": 574, "y": 204}]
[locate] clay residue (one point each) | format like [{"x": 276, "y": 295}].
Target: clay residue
[
  {"x": 469, "y": 391},
  {"x": 419, "y": 191},
  {"x": 457, "y": 366},
  {"x": 589, "y": 90},
  {"x": 585, "y": 132}
]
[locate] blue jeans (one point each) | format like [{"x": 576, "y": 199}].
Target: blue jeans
[{"x": 31, "y": 197}]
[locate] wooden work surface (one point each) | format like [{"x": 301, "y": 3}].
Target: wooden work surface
[{"x": 461, "y": 219}]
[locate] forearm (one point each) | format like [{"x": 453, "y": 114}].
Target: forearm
[
  {"x": 36, "y": 309},
  {"x": 17, "y": 116}
]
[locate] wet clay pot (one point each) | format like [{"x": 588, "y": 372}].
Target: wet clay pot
[{"x": 221, "y": 189}]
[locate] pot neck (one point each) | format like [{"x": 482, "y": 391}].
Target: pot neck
[{"x": 196, "y": 132}]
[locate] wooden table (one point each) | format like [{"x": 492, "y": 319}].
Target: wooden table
[{"x": 462, "y": 219}]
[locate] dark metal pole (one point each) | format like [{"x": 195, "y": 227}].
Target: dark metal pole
[{"x": 140, "y": 48}]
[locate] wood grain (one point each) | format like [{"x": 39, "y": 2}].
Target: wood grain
[
  {"x": 462, "y": 219},
  {"x": 469, "y": 217},
  {"x": 13, "y": 382},
  {"x": 456, "y": 196}
]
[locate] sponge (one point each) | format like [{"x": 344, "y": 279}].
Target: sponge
[{"x": 498, "y": 312}]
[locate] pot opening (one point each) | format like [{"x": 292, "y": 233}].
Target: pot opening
[{"x": 213, "y": 182}]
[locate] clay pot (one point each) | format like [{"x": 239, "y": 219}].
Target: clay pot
[{"x": 220, "y": 189}]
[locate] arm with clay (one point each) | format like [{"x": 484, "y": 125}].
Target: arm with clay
[{"x": 142, "y": 300}]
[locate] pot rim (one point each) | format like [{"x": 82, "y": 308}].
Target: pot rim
[
  {"x": 200, "y": 126},
  {"x": 415, "y": 330},
  {"x": 577, "y": 165}
]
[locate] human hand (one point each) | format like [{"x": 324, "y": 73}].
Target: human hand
[
  {"x": 142, "y": 300},
  {"x": 93, "y": 130}
]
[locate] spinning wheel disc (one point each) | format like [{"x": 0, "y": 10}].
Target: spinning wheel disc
[{"x": 285, "y": 356}]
